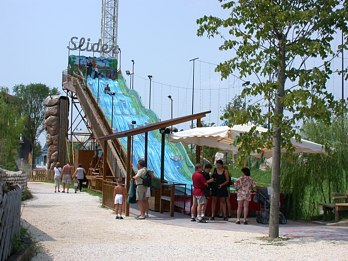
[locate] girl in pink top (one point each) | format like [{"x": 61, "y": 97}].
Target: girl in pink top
[{"x": 244, "y": 186}]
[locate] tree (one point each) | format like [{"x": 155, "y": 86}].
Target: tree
[
  {"x": 311, "y": 179},
  {"x": 10, "y": 129},
  {"x": 273, "y": 41},
  {"x": 33, "y": 110}
]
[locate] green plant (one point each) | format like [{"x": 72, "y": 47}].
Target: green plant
[
  {"x": 26, "y": 194},
  {"x": 311, "y": 179},
  {"x": 20, "y": 241}
]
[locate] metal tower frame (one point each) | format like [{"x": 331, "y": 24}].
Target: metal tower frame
[{"x": 109, "y": 25}]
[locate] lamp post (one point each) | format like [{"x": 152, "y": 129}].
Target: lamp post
[
  {"x": 171, "y": 111},
  {"x": 119, "y": 50},
  {"x": 193, "y": 85},
  {"x": 130, "y": 78},
  {"x": 98, "y": 90},
  {"x": 171, "y": 106},
  {"x": 112, "y": 94},
  {"x": 132, "y": 74},
  {"x": 150, "y": 78}
]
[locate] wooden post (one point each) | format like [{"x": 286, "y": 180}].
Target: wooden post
[
  {"x": 198, "y": 148},
  {"x": 105, "y": 158},
  {"x": 128, "y": 169}
]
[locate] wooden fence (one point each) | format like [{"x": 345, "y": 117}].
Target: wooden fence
[
  {"x": 41, "y": 175},
  {"x": 10, "y": 210}
]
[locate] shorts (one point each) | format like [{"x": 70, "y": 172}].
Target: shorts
[
  {"x": 148, "y": 192},
  {"x": 242, "y": 195},
  {"x": 199, "y": 200},
  {"x": 118, "y": 199},
  {"x": 56, "y": 180},
  {"x": 141, "y": 192},
  {"x": 66, "y": 178}
]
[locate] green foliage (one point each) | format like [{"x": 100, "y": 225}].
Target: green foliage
[
  {"x": 276, "y": 39},
  {"x": 262, "y": 178},
  {"x": 11, "y": 125},
  {"x": 26, "y": 194},
  {"x": 272, "y": 42},
  {"x": 32, "y": 109},
  {"x": 311, "y": 179},
  {"x": 18, "y": 244}
]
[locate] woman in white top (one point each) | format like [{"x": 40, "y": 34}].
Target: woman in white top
[
  {"x": 80, "y": 174},
  {"x": 57, "y": 172}
]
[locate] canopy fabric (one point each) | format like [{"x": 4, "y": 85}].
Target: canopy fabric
[{"x": 223, "y": 137}]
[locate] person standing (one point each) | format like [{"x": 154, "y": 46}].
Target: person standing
[
  {"x": 207, "y": 175},
  {"x": 57, "y": 173},
  {"x": 141, "y": 189},
  {"x": 244, "y": 186},
  {"x": 199, "y": 200},
  {"x": 219, "y": 190},
  {"x": 66, "y": 176},
  {"x": 228, "y": 186},
  {"x": 80, "y": 175},
  {"x": 119, "y": 192}
]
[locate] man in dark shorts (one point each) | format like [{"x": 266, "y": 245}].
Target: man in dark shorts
[{"x": 199, "y": 200}]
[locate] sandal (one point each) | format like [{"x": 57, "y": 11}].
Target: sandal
[{"x": 238, "y": 222}]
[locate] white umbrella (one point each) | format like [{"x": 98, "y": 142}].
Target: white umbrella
[
  {"x": 215, "y": 137},
  {"x": 223, "y": 138}
]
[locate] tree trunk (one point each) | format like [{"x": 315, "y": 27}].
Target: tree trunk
[
  {"x": 277, "y": 144},
  {"x": 33, "y": 161}
]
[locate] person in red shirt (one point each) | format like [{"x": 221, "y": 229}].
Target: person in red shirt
[{"x": 199, "y": 200}]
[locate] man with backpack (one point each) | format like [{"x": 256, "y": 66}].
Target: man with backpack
[{"x": 141, "y": 188}]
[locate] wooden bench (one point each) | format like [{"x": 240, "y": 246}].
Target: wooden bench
[{"x": 336, "y": 206}]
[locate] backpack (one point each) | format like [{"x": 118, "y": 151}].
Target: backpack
[{"x": 147, "y": 178}]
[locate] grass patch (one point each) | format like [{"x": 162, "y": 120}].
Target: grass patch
[
  {"x": 93, "y": 192},
  {"x": 280, "y": 241},
  {"x": 26, "y": 194},
  {"x": 21, "y": 241},
  {"x": 262, "y": 178}
]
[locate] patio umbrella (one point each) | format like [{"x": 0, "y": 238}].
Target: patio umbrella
[{"x": 223, "y": 137}]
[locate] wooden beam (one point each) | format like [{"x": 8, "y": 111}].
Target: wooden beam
[
  {"x": 154, "y": 126},
  {"x": 128, "y": 169}
]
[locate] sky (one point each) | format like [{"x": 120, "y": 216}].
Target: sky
[{"x": 160, "y": 36}]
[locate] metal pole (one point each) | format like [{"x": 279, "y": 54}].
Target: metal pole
[
  {"x": 342, "y": 67},
  {"x": 193, "y": 85},
  {"x": 98, "y": 91},
  {"x": 162, "y": 154},
  {"x": 146, "y": 146},
  {"x": 112, "y": 112},
  {"x": 133, "y": 123},
  {"x": 133, "y": 75},
  {"x": 119, "y": 49},
  {"x": 150, "y": 77}
]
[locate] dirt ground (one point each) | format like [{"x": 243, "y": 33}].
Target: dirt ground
[{"x": 76, "y": 227}]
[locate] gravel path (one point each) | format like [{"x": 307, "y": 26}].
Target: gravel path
[{"x": 76, "y": 227}]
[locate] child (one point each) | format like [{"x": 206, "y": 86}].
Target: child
[
  {"x": 119, "y": 193},
  {"x": 76, "y": 184}
]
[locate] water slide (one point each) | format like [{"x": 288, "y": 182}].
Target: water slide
[{"x": 123, "y": 108}]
